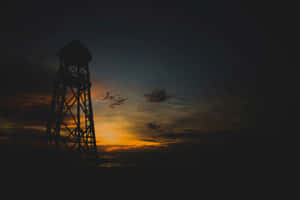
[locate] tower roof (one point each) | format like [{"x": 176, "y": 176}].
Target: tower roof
[{"x": 75, "y": 53}]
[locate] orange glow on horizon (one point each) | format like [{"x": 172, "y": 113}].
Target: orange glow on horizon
[{"x": 114, "y": 136}]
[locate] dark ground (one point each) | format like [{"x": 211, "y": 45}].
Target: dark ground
[
  {"x": 215, "y": 152},
  {"x": 32, "y": 151}
]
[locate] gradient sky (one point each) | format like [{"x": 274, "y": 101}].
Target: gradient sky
[{"x": 203, "y": 59}]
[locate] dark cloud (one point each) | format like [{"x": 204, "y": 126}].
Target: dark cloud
[
  {"x": 107, "y": 97},
  {"x": 219, "y": 112},
  {"x": 117, "y": 102},
  {"x": 150, "y": 140},
  {"x": 199, "y": 136},
  {"x": 153, "y": 126},
  {"x": 19, "y": 75},
  {"x": 25, "y": 112},
  {"x": 210, "y": 121},
  {"x": 181, "y": 135},
  {"x": 26, "y": 94},
  {"x": 157, "y": 96}
]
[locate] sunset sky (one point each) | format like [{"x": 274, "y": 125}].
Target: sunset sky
[{"x": 183, "y": 69}]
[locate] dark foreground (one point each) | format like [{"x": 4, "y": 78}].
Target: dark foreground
[
  {"x": 33, "y": 151},
  {"x": 217, "y": 152}
]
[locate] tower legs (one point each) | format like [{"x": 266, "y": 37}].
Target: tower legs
[{"x": 71, "y": 123}]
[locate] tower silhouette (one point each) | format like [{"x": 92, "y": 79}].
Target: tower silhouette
[{"x": 71, "y": 122}]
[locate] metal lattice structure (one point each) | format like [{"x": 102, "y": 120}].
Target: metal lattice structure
[{"x": 71, "y": 121}]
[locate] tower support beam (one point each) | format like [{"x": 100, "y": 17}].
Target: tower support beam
[{"x": 71, "y": 122}]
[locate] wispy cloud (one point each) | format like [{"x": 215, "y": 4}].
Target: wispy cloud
[
  {"x": 106, "y": 98},
  {"x": 153, "y": 126},
  {"x": 157, "y": 96},
  {"x": 117, "y": 102}
]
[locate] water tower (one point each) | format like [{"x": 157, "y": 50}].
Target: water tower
[{"x": 71, "y": 122}]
